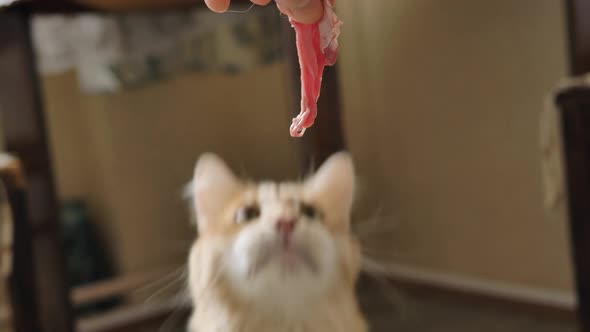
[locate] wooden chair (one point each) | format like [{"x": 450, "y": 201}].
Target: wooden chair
[{"x": 574, "y": 103}]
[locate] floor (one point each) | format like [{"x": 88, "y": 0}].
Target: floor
[{"x": 392, "y": 310}]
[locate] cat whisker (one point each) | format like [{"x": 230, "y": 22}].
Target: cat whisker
[
  {"x": 388, "y": 292},
  {"x": 163, "y": 279},
  {"x": 308, "y": 260},
  {"x": 380, "y": 255},
  {"x": 376, "y": 224},
  {"x": 210, "y": 284},
  {"x": 260, "y": 263},
  {"x": 181, "y": 300},
  {"x": 181, "y": 245},
  {"x": 170, "y": 321},
  {"x": 173, "y": 283}
]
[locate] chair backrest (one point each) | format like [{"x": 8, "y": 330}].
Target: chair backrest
[{"x": 574, "y": 104}]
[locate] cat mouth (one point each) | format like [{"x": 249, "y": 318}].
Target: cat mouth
[{"x": 289, "y": 258}]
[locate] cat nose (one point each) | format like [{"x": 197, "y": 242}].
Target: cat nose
[{"x": 286, "y": 226}]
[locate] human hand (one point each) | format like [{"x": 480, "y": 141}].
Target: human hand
[{"x": 302, "y": 11}]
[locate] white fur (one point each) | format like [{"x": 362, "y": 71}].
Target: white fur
[
  {"x": 243, "y": 277},
  {"x": 286, "y": 282}
]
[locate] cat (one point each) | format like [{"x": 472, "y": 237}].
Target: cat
[{"x": 274, "y": 257}]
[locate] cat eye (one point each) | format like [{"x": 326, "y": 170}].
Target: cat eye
[
  {"x": 309, "y": 211},
  {"x": 247, "y": 213}
]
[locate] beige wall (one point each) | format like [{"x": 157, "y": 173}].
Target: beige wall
[
  {"x": 446, "y": 96},
  {"x": 442, "y": 101},
  {"x": 130, "y": 153}
]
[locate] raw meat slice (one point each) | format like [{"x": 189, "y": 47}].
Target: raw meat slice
[{"x": 317, "y": 46}]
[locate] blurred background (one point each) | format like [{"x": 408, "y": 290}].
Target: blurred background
[{"x": 440, "y": 107}]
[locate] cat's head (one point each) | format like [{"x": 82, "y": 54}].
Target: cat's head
[{"x": 273, "y": 243}]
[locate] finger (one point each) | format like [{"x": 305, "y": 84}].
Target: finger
[
  {"x": 302, "y": 11},
  {"x": 219, "y": 6},
  {"x": 294, "y": 3},
  {"x": 261, "y": 2}
]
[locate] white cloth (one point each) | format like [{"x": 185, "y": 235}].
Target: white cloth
[
  {"x": 6, "y": 3},
  {"x": 111, "y": 52}
]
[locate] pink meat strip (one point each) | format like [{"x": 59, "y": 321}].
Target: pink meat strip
[{"x": 317, "y": 46}]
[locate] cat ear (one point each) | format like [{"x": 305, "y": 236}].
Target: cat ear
[
  {"x": 333, "y": 186},
  {"x": 213, "y": 186}
]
